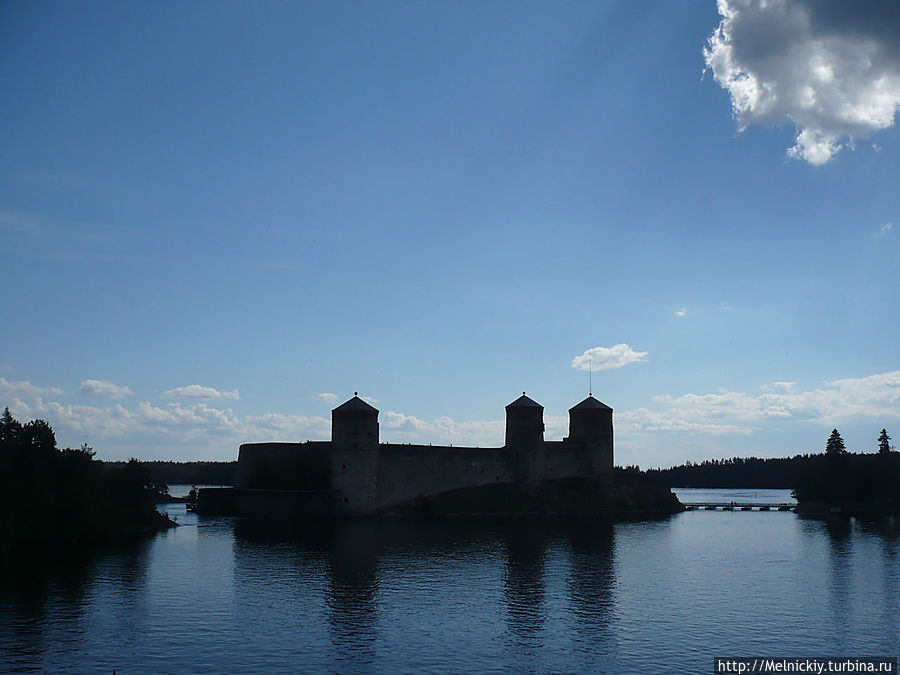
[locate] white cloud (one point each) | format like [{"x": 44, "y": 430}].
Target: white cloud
[
  {"x": 644, "y": 420},
  {"x": 178, "y": 415},
  {"x": 885, "y": 230},
  {"x": 23, "y": 388},
  {"x": 104, "y": 389},
  {"x": 607, "y": 358},
  {"x": 74, "y": 420},
  {"x": 872, "y": 397},
  {"x": 830, "y": 67},
  {"x": 785, "y": 387},
  {"x": 395, "y": 420},
  {"x": 369, "y": 400},
  {"x": 280, "y": 427},
  {"x": 198, "y": 430},
  {"x": 400, "y": 428},
  {"x": 681, "y": 312},
  {"x": 726, "y": 307},
  {"x": 174, "y": 429},
  {"x": 198, "y": 391},
  {"x": 327, "y": 397}
]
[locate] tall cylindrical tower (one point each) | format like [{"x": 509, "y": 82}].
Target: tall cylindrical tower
[
  {"x": 525, "y": 439},
  {"x": 591, "y": 428},
  {"x": 354, "y": 457},
  {"x": 524, "y": 423}
]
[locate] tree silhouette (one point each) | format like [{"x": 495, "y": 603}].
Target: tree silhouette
[
  {"x": 10, "y": 428},
  {"x": 835, "y": 444},
  {"x": 39, "y": 435},
  {"x": 63, "y": 499},
  {"x": 884, "y": 442}
]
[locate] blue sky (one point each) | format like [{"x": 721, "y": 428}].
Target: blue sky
[{"x": 220, "y": 219}]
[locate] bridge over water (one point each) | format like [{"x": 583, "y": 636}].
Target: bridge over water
[{"x": 738, "y": 506}]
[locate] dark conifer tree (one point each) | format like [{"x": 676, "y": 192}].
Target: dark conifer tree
[
  {"x": 10, "y": 428},
  {"x": 835, "y": 444},
  {"x": 884, "y": 442},
  {"x": 39, "y": 435}
]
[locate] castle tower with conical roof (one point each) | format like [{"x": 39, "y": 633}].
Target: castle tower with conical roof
[
  {"x": 591, "y": 432},
  {"x": 524, "y": 423},
  {"x": 525, "y": 438},
  {"x": 354, "y": 457}
]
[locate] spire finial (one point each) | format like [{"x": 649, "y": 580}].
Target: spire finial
[{"x": 356, "y": 393}]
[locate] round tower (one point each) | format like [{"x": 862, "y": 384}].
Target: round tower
[
  {"x": 354, "y": 457},
  {"x": 524, "y": 423},
  {"x": 525, "y": 439},
  {"x": 591, "y": 428}
]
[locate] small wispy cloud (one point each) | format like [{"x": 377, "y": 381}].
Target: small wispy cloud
[
  {"x": 104, "y": 389},
  {"x": 19, "y": 222},
  {"x": 681, "y": 312},
  {"x": 25, "y": 388},
  {"x": 885, "y": 230},
  {"x": 607, "y": 358},
  {"x": 369, "y": 399},
  {"x": 784, "y": 387},
  {"x": 327, "y": 397},
  {"x": 201, "y": 392},
  {"x": 725, "y": 307}
]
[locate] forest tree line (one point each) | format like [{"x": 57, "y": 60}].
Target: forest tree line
[
  {"x": 852, "y": 483},
  {"x": 187, "y": 473},
  {"x": 52, "y": 498}
]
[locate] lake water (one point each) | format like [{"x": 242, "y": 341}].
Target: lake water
[{"x": 488, "y": 595}]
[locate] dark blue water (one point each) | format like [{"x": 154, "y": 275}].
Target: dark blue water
[{"x": 220, "y": 595}]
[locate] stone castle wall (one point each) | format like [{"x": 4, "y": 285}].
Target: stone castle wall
[
  {"x": 409, "y": 472},
  {"x": 284, "y": 466}
]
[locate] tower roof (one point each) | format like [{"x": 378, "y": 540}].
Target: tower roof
[
  {"x": 590, "y": 403},
  {"x": 524, "y": 402},
  {"x": 355, "y": 404}
]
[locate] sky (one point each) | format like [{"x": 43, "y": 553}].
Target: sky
[{"x": 218, "y": 220}]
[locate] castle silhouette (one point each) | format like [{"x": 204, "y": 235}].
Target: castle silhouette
[{"x": 354, "y": 474}]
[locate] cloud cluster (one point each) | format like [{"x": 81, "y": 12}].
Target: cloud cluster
[
  {"x": 327, "y": 397},
  {"x": 831, "y": 67},
  {"x": 607, "y": 358},
  {"x": 875, "y": 396},
  {"x": 220, "y": 430},
  {"x": 198, "y": 391},
  {"x": 23, "y": 388},
  {"x": 400, "y": 428},
  {"x": 104, "y": 389}
]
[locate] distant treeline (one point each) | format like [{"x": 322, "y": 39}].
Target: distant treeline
[
  {"x": 847, "y": 479},
  {"x": 737, "y": 472},
  {"x": 805, "y": 474},
  {"x": 852, "y": 483},
  {"x": 187, "y": 473}
]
